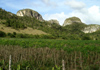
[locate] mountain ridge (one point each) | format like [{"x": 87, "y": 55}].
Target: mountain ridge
[{"x": 75, "y": 30}]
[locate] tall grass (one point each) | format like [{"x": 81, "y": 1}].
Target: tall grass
[{"x": 46, "y": 59}]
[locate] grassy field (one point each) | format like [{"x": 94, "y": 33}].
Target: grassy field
[
  {"x": 47, "y": 54},
  {"x": 27, "y": 30},
  {"x": 67, "y": 45}
]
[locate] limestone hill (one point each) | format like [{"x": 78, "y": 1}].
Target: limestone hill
[
  {"x": 71, "y": 20},
  {"x": 30, "y": 13},
  {"x": 54, "y": 21}
]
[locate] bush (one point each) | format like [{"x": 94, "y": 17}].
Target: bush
[
  {"x": 86, "y": 38},
  {"x": 2, "y": 34},
  {"x": 10, "y": 35}
]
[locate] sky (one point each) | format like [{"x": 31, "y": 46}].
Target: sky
[{"x": 87, "y": 10}]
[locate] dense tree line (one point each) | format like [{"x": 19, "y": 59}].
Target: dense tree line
[
  {"x": 11, "y": 19},
  {"x": 66, "y": 37}
]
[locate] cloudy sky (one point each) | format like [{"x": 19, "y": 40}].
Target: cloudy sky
[{"x": 87, "y": 10}]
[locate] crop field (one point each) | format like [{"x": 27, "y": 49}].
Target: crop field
[{"x": 47, "y": 54}]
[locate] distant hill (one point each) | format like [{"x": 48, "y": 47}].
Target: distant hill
[
  {"x": 91, "y": 28},
  {"x": 30, "y": 13},
  {"x": 77, "y": 23},
  {"x": 28, "y": 21},
  {"x": 71, "y": 20},
  {"x": 52, "y": 21}
]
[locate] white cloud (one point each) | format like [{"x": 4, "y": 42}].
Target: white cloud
[
  {"x": 94, "y": 10},
  {"x": 49, "y": 3},
  {"x": 94, "y": 13},
  {"x": 75, "y": 4},
  {"x": 58, "y": 16},
  {"x": 46, "y": 1},
  {"x": 88, "y": 16}
]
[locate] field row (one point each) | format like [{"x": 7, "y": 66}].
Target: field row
[{"x": 67, "y": 45}]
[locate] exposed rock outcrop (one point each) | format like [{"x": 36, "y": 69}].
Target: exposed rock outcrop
[
  {"x": 71, "y": 20},
  {"x": 53, "y": 21},
  {"x": 86, "y": 29},
  {"x": 91, "y": 28},
  {"x": 30, "y": 13}
]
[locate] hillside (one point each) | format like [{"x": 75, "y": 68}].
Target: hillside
[
  {"x": 91, "y": 28},
  {"x": 28, "y": 21},
  {"x": 71, "y": 20},
  {"x": 27, "y": 30}
]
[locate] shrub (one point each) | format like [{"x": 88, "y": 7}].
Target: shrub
[{"x": 2, "y": 34}]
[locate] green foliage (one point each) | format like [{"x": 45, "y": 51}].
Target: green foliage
[
  {"x": 18, "y": 67},
  {"x": 25, "y": 65},
  {"x": 1, "y": 62},
  {"x": 94, "y": 67},
  {"x": 20, "y": 36},
  {"x": 11, "y": 20},
  {"x": 58, "y": 67},
  {"x": 86, "y": 38},
  {"x": 0, "y": 68},
  {"x": 68, "y": 45},
  {"x": 53, "y": 68},
  {"x": 14, "y": 33},
  {"x": 55, "y": 31},
  {"x": 2, "y": 34},
  {"x": 14, "y": 23},
  {"x": 47, "y": 54}
]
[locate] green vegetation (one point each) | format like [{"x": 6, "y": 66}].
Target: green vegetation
[
  {"x": 70, "y": 32},
  {"x": 46, "y": 54},
  {"x": 80, "y": 51},
  {"x": 2, "y": 34},
  {"x": 11, "y": 19},
  {"x": 74, "y": 18},
  {"x": 70, "y": 45},
  {"x": 19, "y": 35}
]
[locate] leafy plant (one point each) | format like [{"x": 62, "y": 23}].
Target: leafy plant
[
  {"x": 0, "y": 68},
  {"x": 18, "y": 67},
  {"x": 1, "y": 62},
  {"x": 58, "y": 67}
]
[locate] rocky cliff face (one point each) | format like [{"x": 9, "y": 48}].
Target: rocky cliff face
[
  {"x": 30, "y": 13},
  {"x": 53, "y": 21},
  {"x": 71, "y": 20},
  {"x": 91, "y": 28},
  {"x": 86, "y": 29}
]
